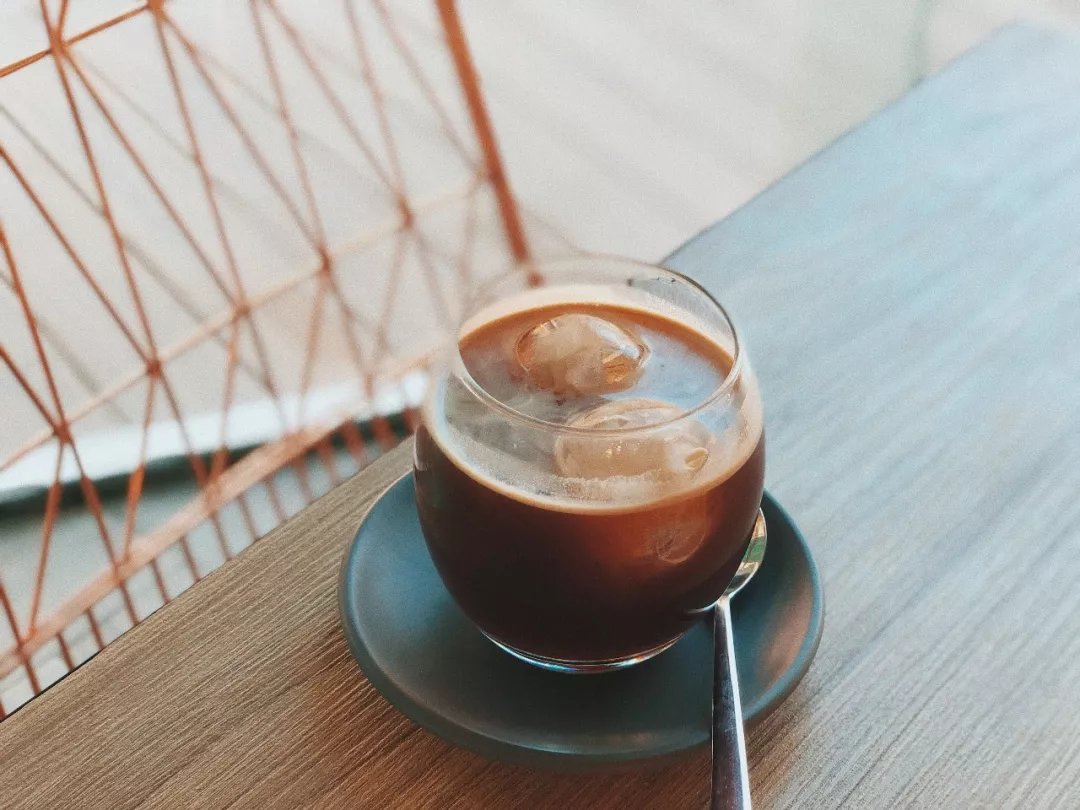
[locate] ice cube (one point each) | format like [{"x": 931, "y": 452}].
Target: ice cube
[
  {"x": 577, "y": 355},
  {"x": 682, "y": 534},
  {"x": 670, "y": 453}
]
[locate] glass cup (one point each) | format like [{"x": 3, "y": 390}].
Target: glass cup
[{"x": 590, "y": 461}]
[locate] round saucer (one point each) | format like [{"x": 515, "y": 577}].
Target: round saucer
[{"x": 421, "y": 652}]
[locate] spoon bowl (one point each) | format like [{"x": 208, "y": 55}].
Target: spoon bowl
[{"x": 752, "y": 559}]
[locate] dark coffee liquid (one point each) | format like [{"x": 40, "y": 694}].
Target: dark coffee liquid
[{"x": 588, "y": 582}]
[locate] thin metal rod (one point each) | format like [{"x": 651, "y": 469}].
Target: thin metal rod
[
  {"x": 485, "y": 134},
  {"x": 730, "y": 777}
]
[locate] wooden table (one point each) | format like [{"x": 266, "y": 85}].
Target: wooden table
[{"x": 912, "y": 300}]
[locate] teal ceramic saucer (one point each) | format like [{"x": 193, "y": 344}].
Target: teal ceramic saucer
[{"x": 420, "y": 651}]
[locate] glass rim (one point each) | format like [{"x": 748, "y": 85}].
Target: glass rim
[{"x": 585, "y": 260}]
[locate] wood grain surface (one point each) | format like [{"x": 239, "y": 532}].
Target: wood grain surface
[{"x": 911, "y": 299}]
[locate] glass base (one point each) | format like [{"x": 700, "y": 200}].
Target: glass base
[{"x": 583, "y": 667}]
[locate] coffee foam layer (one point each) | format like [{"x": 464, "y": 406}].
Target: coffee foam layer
[{"x": 621, "y": 297}]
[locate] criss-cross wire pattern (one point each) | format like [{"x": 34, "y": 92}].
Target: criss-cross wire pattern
[{"x": 229, "y": 234}]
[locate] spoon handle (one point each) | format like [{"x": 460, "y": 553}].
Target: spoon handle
[{"x": 730, "y": 779}]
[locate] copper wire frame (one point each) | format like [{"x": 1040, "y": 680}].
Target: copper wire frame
[{"x": 224, "y": 477}]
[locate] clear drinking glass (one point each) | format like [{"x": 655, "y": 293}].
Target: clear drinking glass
[{"x": 590, "y": 462}]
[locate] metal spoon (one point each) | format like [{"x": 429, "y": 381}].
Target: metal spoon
[{"x": 730, "y": 778}]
